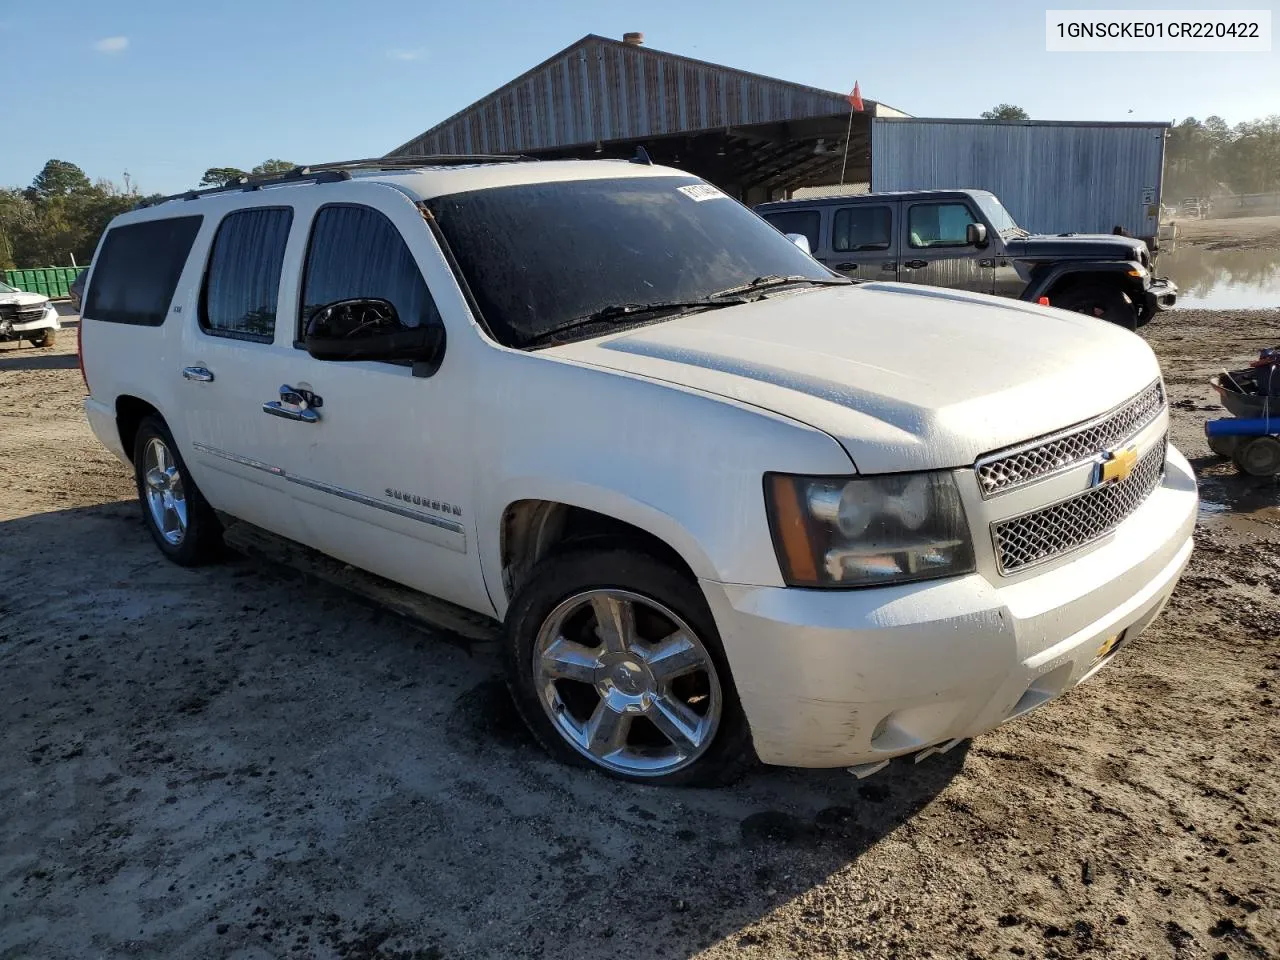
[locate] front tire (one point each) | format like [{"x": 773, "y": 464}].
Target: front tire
[
  {"x": 44, "y": 338},
  {"x": 180, "y": 520},
  {"x": 614, "y": 662},
  {"x": 1105, "y": 303}
]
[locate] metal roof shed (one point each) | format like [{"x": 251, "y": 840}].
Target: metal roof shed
[
  {"x": 1053, "y": 176},
  {"x": 752, "y": 135}
]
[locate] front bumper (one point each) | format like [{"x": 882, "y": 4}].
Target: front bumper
[
  {"x": 1160, "y": 294},
  {"x": 9, "y": 330},
  {"x": 846, "y": 678}
]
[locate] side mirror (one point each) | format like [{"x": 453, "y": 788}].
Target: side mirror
[
  {"x": 801, "y": 241},
  {"x": 976, "y": 234},
  {"x": 370, "y": 329}
]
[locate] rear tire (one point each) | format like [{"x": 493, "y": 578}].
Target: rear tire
[
  {"x": 1105, "y": 303},
  {"x": 614, "y": 663},
  {"x": 1259, "y": 457},
  {"x": 180, "y": 520},
  {"x": 45, "y": 338}
]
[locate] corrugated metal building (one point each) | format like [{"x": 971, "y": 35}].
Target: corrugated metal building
[
  {"x": 1053, "y": 176},
  {"x": 754, "y": 136}
]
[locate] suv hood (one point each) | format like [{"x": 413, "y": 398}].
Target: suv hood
[
  {"x": 1081, "y": 246},
  {"x": 21, "y": 298},
  {"x": 904, "y": 377}
]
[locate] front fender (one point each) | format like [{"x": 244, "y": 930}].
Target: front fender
[
  {"x": 1041, "y": 285},
  {"x": 684, "y": 466}
]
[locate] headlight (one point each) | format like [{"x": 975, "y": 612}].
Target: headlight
[{"x": 867, "y": 531}]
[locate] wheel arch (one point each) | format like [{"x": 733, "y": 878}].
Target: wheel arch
[
  {"x": 1067, "y": 276},
  {"x": 537, "y": 523},
  {"x": 130, "y": 412}
]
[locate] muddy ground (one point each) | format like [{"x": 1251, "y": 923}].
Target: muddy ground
[
  {"x": 1236, "y": 233},
  {"x": 229, "y": 762}
]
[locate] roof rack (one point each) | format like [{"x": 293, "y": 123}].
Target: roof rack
[{"x": 339, "y": 170}]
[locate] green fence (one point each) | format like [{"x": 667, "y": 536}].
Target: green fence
[{"x": 50, "y": 281}]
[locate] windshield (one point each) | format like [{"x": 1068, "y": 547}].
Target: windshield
[
  {"x": 540, "y": 255},
  {"x": 1000, "y": 218}
]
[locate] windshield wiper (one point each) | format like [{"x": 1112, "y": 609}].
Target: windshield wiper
[
  {"x": 627, "y": 312},
  {"x": 778, "y": 280}
]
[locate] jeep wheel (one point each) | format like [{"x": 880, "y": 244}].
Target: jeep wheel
[
  {"x": 1105, "y": 303},
  {"x": 43, "y": 338},
  {"x": 180, "y": 520},
  {"x": 614, "y": 662}
]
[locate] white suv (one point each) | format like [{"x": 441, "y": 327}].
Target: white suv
[{"x": 725, "y": 503}]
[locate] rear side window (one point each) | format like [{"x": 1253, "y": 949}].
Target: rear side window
[
  {"x": 357, "y": 252},
  {"x": 862, "y": 228},
  {"x": 798, "y": 221},
  {"x": 137, "y": 270},
  {"x": 243, "y": 281}
]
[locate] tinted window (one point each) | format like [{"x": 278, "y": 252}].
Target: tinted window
[
  {"x": 862, "y": 228},
  {"x": 138, "y": 269},
  {"x": 798, "y": 221},
  {"x": 243, "y": 282},
  {"x": 539, "y": 255},
  {"x": 939, "y": 224},
  {"x": 357, "y": 252}
]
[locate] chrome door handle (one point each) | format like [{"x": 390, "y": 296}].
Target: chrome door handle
[
  {"x": 199, "y": 374},
  {"x": 278, "y": 409},
  {"x": 295, "y": 403}
]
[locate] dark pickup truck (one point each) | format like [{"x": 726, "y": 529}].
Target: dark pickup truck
[{"x": 965, "y": 239}]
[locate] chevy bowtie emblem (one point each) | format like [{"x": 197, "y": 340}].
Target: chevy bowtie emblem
[{"x": 1116, "y": 466}]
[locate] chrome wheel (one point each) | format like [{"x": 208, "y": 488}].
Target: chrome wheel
[
  {"x": 627, "y": 683},
  {"x": 162, "y": 486}
]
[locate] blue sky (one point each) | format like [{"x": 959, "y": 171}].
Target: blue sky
[{"x": 164, "y": 90}]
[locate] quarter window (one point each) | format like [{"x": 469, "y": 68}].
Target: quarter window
[
  {"x": 243, "y": 282},
  {"x": 356, "y": 252},
  {"x": 939, "y": 224},
  {"x": 137, "y": 270},
  {"x": 798, "y": 221},
  {"x": 864, "y": 227}
]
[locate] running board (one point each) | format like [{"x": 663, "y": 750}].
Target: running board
[{"x": 416, "y": 607}]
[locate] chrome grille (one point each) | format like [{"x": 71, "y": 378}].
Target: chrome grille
[
  {"x": 1044, "y": 534},
  {"x": 24, "y": 313},
  {"x": 1009, "y": 469}
]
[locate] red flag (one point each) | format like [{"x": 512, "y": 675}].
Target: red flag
[{"x": 855, "y": 98}]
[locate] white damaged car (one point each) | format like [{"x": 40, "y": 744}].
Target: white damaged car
[
  {"x": 724, "y": 503},
  {"x": 27, "y": 316}
]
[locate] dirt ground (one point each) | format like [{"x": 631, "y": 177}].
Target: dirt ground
[
  {"x": 230, "y": 762},
  {"x": 1238, "y": 233}
]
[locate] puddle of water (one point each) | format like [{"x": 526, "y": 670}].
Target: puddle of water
[
  {"x": 1237, "y": 499},
  {"x": 1230, "y": 279}
]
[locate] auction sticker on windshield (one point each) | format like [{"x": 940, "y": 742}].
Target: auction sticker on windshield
[{"x": 700, "y": 191}]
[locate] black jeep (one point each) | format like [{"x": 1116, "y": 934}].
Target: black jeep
[{"x": 967, "y": 240}]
